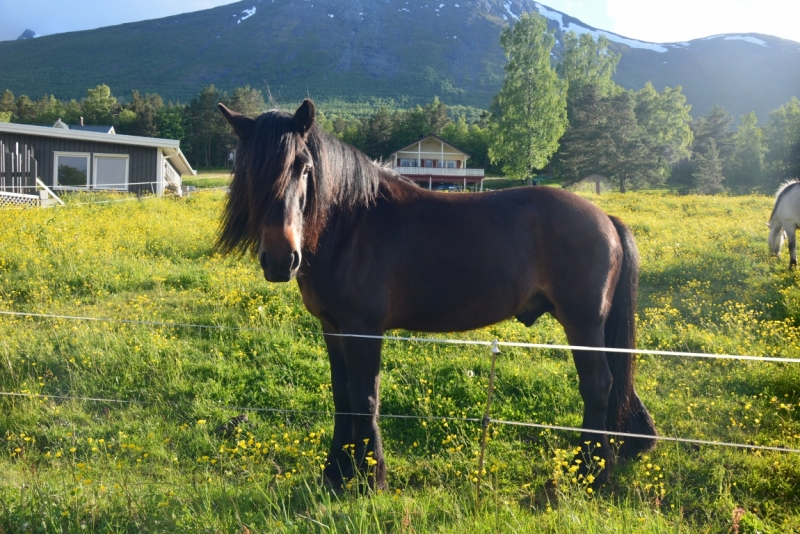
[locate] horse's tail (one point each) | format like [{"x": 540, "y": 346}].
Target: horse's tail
[{"x": 626, "y": 413}]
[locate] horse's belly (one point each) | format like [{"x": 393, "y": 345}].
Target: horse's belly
[{"x": 456, "y": 309}]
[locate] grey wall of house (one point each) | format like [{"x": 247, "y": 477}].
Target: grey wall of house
[{"x": 142, "y": 161}]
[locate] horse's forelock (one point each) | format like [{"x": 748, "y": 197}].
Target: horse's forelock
[{"x": 262, "y": 171}]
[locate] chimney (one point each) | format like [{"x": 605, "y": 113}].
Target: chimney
[{"x": 81, "y": 121}]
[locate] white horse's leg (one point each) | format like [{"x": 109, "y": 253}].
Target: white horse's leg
[
  {"x": 776, "y": 234},
  {"x": 790, "y": 228}
]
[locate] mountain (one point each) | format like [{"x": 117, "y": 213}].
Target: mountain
[
  {"x": 354, "y": 50},
  {"x": 27, "y": 34}
]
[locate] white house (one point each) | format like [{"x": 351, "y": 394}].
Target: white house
[{"x": 431, "y": 161}]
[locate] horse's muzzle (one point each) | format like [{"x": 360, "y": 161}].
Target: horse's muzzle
[{"x": 280, "y": 269}]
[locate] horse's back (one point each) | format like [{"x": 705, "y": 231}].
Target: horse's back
[{"x": 787, "y": 204}]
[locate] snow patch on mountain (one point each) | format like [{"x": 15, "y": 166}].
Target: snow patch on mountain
[
  {"x": 247, "y": 14},
  {"x": 633, "y": 43},
  {"x": 507, "y": 5},
  {"x": 746, "y": 38},
  {"x": 550, "y": 14},
  {"x": 558, "y": 18}
]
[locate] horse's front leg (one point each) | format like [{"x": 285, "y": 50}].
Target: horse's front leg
[
  {"x": 791, "y": 230},
  {"x": 594, "y": 384},
  {"x": 338, "y": 466},
  {"x": 363, "y": 358}
]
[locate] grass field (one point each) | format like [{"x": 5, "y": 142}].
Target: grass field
[{"x": 157, "y": 463}]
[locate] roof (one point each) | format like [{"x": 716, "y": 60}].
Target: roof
[
  {"x": 434, "y": 136},
  {"x": 101, "y": 129},
  {"x": 171, "y": 147}
]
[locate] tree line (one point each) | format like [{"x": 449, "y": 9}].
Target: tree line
[
  {"x": 567, "y": 120},
  {"x": 206, "y": 138},
  {"x": 572, "y": 121}
]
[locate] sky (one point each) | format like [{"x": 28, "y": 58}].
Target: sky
[{"x": 646, "y": 20}]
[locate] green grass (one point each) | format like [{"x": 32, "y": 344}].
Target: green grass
[
  {"x": 209, "y": 178},
  {"x": 158, "y": 465}
]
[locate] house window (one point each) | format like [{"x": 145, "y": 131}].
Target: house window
[
  {"x": 71, "y": 170},
  {"x": 428, "y": 163},
  {"x": 405, "y": 162},
  {"x": 110, "y": 171},
  {"x": 414, "y": 163},
  {"x": 451, "y": 164}
]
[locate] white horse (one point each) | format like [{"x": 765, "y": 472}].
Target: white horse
[{"x": 785, "y": 219}]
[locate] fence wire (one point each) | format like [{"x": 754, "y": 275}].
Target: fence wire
[
  {"x": 481, "y": 420},
  {"x": 414, "y": 339},
  {"x": 484, "y": 421}
]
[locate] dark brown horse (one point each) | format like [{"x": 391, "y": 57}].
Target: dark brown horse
[{"x": 371, "y": 252}]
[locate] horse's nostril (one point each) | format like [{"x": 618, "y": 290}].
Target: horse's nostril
[{"x": 295, "y": 261}]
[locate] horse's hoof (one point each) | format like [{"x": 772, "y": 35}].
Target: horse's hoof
[
  {"x": 548, "y": 495},
  {"x": 335, "y": 485}
]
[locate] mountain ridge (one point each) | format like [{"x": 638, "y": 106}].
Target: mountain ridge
[{"x": 406, "y": 50}]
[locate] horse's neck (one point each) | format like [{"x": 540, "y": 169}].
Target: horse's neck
[{"x": 342, "y": 219}]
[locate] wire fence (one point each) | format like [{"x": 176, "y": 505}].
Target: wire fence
[
  {"x": 31, "y": 203},
  {"x": 447, "y": 341},
  {"x": 485, "y": 421}
]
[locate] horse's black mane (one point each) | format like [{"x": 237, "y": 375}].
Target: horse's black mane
[
  {"x": 342, "y": 177},
  {"x": 782, "y": 190}
]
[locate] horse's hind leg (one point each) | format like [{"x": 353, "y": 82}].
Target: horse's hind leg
[
  {"x": 338, "y": 465},
  {"x": 791, "y": 230},
  {"x": 594, "y": 383}
]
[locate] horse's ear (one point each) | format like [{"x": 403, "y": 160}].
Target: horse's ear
[
  {"x": 304, "y": 117},
  {"x": 242, "y": 126}
]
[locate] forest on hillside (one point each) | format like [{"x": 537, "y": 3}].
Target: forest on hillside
[{"x": 633, "y": 139}]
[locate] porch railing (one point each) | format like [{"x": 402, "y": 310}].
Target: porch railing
[{"x": 439, "y": 171}]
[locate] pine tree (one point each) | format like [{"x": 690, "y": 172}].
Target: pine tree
[
  {"x": 587, "y": 66},
  {"x": 140, "y": 116},
  {"x": 7, "y": 102},
  {"x": 378, "y": 134},
  {"x": 409, "y": 125},
  {"x": 170, "y": 121},
  {"x": 436, "y": 116},
  {"x": 745, "y": 168},
  {"x": 581, "y": 152},
  {"x": 629, "y": 160},
  {"x": 25, "y": 110},
  {"x": 529, "y": 113},
  {"x": 206, "y": 126},
  {"x": 248, "y": 101},
  {"x": 782, "y": 137},
  {"x": 707, "y": 176},
  {"x": 717, "y": 126},
  {"x": 100, "y": 106}
]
